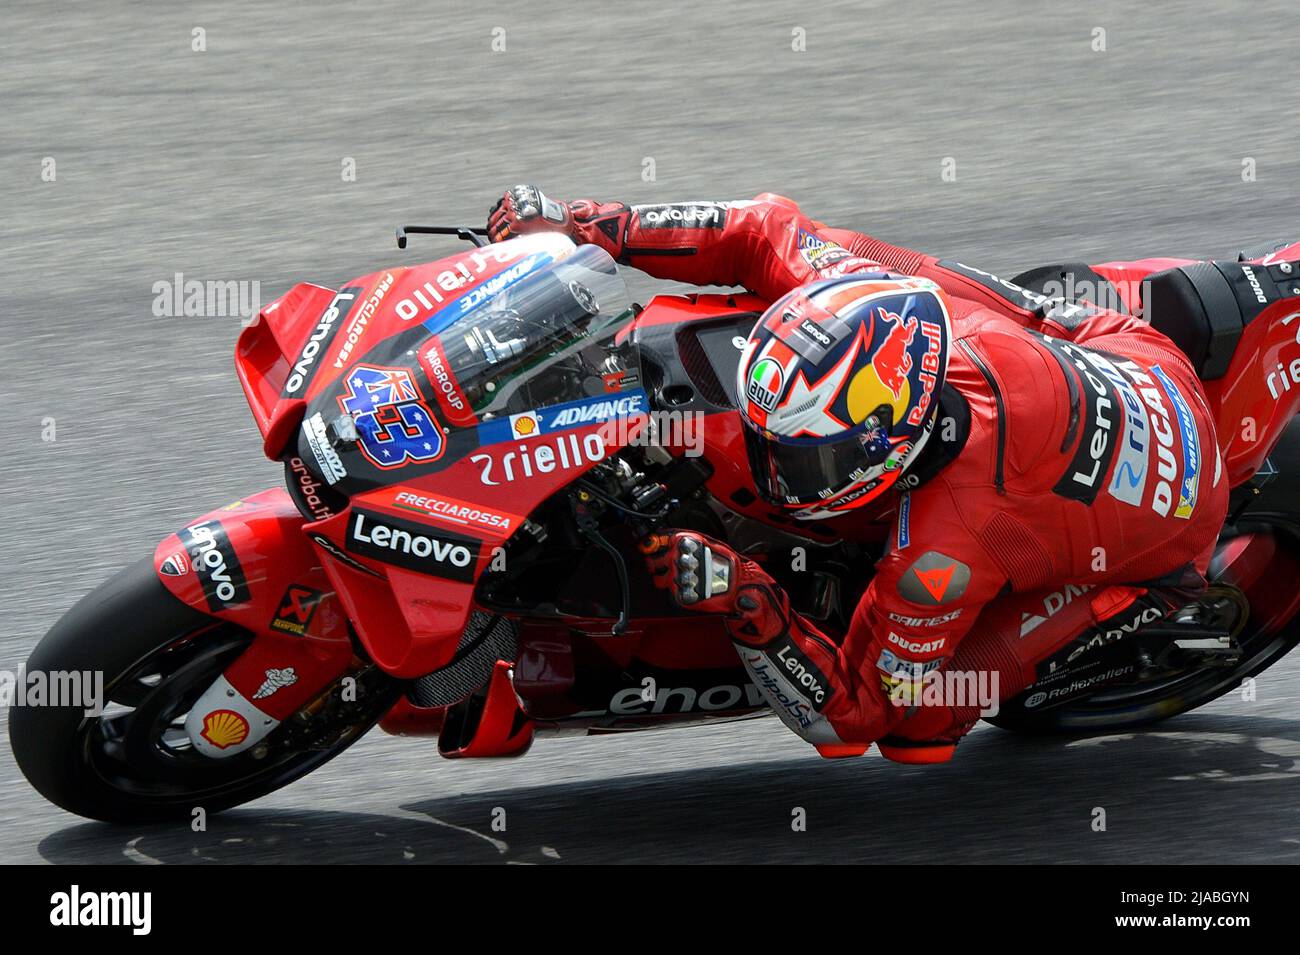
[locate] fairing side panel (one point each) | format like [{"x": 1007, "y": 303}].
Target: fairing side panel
[
  {"x": 1251, "y": 409},
  {"x": 250, "y": 564},
  {"x": 263, "y": 364}
]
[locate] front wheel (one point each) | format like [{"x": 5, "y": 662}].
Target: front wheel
[{"x": 132, "y": 761}]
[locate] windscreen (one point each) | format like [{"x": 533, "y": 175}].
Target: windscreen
[
  {"x": 544, "y": 351},
  {"x": 549, "y": 338}
]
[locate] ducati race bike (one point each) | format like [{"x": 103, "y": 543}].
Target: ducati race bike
[{"x": 472, "y": 449}]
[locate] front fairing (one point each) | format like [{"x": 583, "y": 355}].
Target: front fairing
[
  {"x": 421, "y": 458},
  {"x": 478, "y": 372}
]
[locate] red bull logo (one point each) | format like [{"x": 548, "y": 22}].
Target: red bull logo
[
  {"x": 931, "y": 365},
  {"x": 893, "y": 361}
]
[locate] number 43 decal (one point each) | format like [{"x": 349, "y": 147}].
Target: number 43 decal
[{"x": 394, "y": 425}]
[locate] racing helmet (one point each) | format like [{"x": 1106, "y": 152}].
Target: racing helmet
[{"x": 838, "y": 387}]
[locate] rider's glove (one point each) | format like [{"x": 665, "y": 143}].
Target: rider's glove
[
  {"x": 702, "y": 574},
  {"x": 524, "y": 209},
  {"x": 707, "y": 576}
]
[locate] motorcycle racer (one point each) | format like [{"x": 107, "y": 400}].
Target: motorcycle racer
[{"x": 1036, "y": 447}]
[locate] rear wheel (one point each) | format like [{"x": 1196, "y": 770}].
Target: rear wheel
[
  {"x": 133, "y": 761},
  {"x": 1179, "y": 666}
]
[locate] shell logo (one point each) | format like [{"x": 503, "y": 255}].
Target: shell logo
[
  {"x": 224, "y": 728},
  {"x": 524, "y": 425}
]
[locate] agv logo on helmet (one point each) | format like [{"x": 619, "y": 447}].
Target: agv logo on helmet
[{"x": 765, "y": 383}]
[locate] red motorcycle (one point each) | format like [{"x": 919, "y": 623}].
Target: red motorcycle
[{"x": 473, "y": 448}]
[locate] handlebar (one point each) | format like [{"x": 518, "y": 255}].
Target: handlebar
[{"x": 467, "y": 233}]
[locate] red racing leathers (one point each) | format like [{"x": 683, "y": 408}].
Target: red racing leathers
[{"x": 1082, "y": 490}]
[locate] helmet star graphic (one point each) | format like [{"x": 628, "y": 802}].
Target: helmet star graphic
[{"x": 807, "y": 408}]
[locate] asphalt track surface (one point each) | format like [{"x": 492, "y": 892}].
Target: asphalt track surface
[{"x": 226, "y": 164}]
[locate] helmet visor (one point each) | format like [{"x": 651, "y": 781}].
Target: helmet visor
[{"x": 807, "y": 473}]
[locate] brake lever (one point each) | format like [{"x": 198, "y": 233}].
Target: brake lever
[{"x": 465, "y": 233}]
